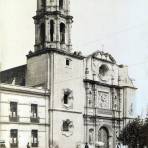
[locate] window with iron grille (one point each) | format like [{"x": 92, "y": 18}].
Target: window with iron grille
[
  {"x": 14, "y": 136},
  {"x": 34, "y": 110},
  {"x": 34, "y": 135},
  {"x": 13, "y": 109}
]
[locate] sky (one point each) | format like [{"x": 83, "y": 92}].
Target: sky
[{"x": 119, "y": 27}]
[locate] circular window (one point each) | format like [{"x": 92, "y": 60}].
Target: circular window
[{"x": 103, "y": 70}]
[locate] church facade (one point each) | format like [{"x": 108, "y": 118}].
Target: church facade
[{"x": 64, "y": 99}]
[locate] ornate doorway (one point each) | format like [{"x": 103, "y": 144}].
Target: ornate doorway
[{"x": 103, "y": 136}]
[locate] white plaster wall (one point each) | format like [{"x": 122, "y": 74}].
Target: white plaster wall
[
  {"x": 125, "y": 80},
  {"x": 129, "y": 102},
  {"x": 24, "y": 106},
  {"x": 24, "y": 125},
  {"x": 68, "y": 77},
  {"x": 77, "y": 136}
]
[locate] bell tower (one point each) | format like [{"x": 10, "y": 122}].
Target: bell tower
[{"x": 53, "y": 25}]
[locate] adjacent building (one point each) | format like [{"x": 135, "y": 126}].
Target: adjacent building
[
  {"x": 61, "y": 98},
  {"x": 23, "y": 116}
]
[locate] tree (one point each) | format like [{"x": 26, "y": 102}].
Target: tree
[
  {"x": 144, "y": 133},
  {"x": 131, "y": 134}
]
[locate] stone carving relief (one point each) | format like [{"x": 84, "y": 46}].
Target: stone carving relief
[
  {"x": 94, "y": 67},
  {"x": 67, "y": 128},
  {"x": 91, "y": 136},
  {"x": 103, "y": 100},
  {"x": 115, "y": 103},
  {"x": 131, "y": 109},
  {"x": 90, "y": 99},
  {"x": 89, "y": 94},
  {"x": 104, "y": 56}
]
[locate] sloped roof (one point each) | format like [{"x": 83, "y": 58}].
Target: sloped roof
[{"x": 14, "y": 75}]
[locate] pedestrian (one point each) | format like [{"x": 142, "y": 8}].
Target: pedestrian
[
  {"x": 86, "y": 145},
  {"x": 118, "y": 145},
  {"x": 28, "y": 146}
]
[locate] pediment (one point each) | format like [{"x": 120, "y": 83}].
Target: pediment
[{"x": 103, "y": 56}]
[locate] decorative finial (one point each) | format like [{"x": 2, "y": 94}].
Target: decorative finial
[{"x": 102, "y": 47}]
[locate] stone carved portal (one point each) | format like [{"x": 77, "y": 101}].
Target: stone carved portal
[{"x": 103, "y": 136}]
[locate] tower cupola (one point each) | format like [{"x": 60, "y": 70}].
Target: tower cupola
[{"x": 53, "y": 25}]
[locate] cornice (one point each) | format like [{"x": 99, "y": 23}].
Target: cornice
[
  {"x": 107, "y": 85},
  {"x": 49, "y": 50},
  {"x": 102, "y": 117},
  {"x": 67, "y": 111},
  {"x": 26, "y": 90},
  {"x": 48, "y": 13}
]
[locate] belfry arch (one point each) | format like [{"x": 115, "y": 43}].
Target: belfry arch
[
  {"x": 61, "y": 4},
  {"x": 55, "y": 14},
  {"x": 62, "y": 32},
  {"x": 42, "y": 34},
  {"x": 51, "y": 30}
]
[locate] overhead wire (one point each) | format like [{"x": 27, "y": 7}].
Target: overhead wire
[{"x": 112, "y": 34}]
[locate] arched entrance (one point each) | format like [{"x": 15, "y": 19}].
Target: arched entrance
[{"x": 103, "y": 136}]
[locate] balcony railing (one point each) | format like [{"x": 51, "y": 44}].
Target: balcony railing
[
  {"x": 35, "y": 144},
  {"x": 34, "y": 119},
  {"x": 2, "y": 145},
  {"x": 14, "y": 145},
  {"x": 13, "y": 118}
]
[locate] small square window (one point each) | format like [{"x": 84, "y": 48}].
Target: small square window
[
  {"x": 68, "y": 62},
  {"x": 65, "y": 99}
]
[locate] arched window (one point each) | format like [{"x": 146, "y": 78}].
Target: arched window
[
  {"x": 42, "y": 34},
  {"x": 103, "y": 136},
  {"x": 43, "y": 3},
  {"x": 51, "y": 30},
  {"x": 62, "y": 33},
  {"x": 61, "y": 3}
]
